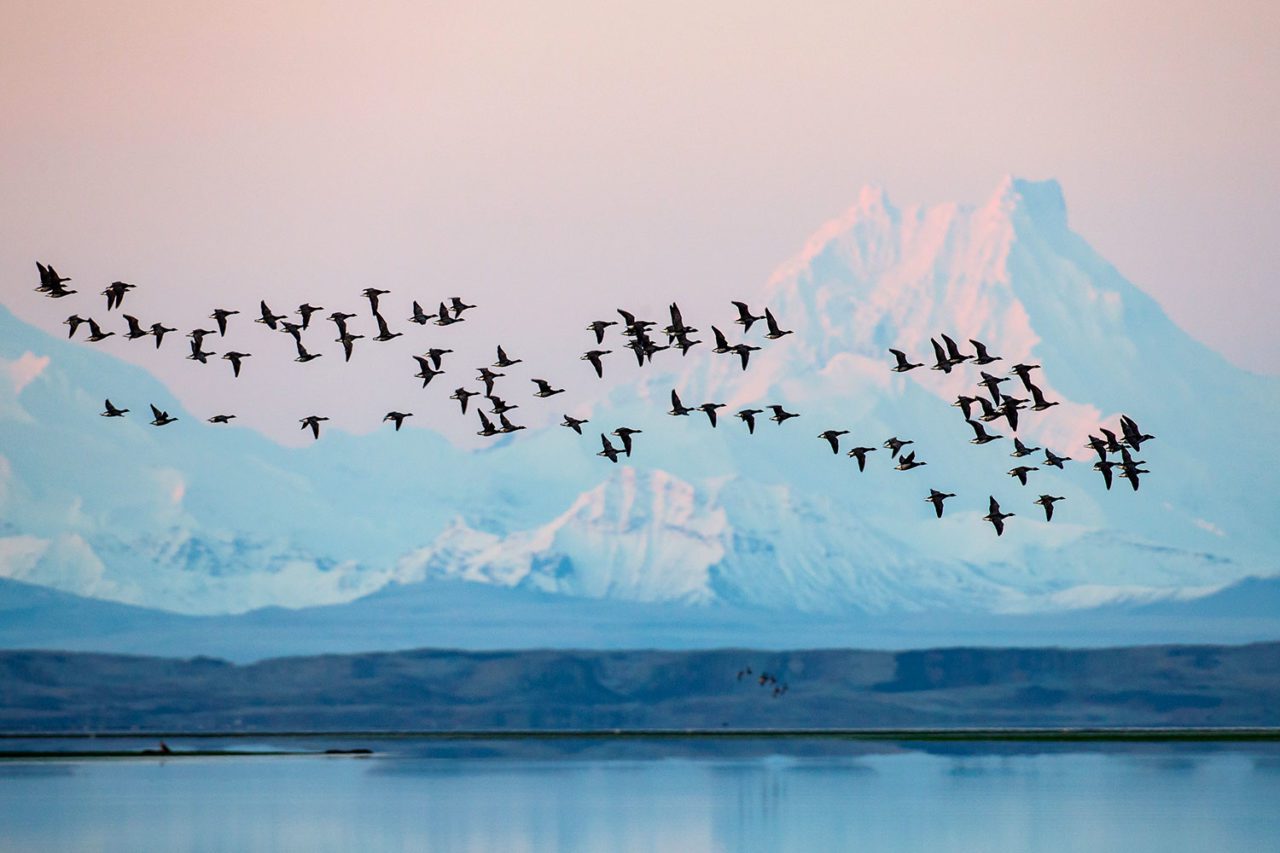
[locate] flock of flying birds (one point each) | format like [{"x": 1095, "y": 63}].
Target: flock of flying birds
[{"x": 987, "y": 404}]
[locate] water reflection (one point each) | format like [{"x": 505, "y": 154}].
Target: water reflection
[{"x": 673, "y": 795}]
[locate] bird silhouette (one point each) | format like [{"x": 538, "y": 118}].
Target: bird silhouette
[
  {"x": 895, "y": 445},
  {"x": 221, "y": 419},
  {"x": 780, "y": 414},
  {"x": 745, "y": 317},
  {"x": 1053, "y": 459},
  {"x": 220, "y": 315},
  {"x": 160, "y": 330},
  {"x": 774, "y": 332},
  {"x": 419, "y": 316},
  {"x": 710, "y": 409},
  {"x": 573, "y": 423},
  {"x": 1039, "y": 403},
  {"x": 1047, "y": 502},
  {"x": 160, "y": 418},
  {"x": 625, "y": 434},
  {"x": 980, "y": 434},
  {"x": 267, "y": 318},
  {"x": 135, "y": 328},
  {"x": 860, "y": 453},
  {"x": 598, "y": 326},
  {"x": 487, "y": 376},
  {"x": 372, "y": 294},
  {"x": 462, "y": 395},
  {"x": 677, "y": 408},
  {"x": 903, "y": 365},
  {"x": 908, "y": 461},
  {"x": 1023, "y": 372},
  {"x": 504, "y": 360},
  {"x": 983, "y": 357},
  {"x": 235, "y": 359},
  {"x": 594, "y": 357},
  {"x": 313, "y": 423},
  {"x": 1021, "y": 472},
  {"x": 198, "y": 354},
  {"x": 112, "y": 412},
  {"x": 1133, "y": 436},
  {"x": 609, "y": 452},
  {"x": 95, "y": 333},
  {"x": 72, "y": 323},
  {"x": 384, "y": 333},
  {"x": 941, "y": 361},
  {"x": 305, "y": 310},
  {"x": 748, "y": 417},
  {"x": 1020, "y": 449},
  {"x": 996, "y": 517},
  {"x": 936, "y": 498},
  {"x": 832, "y": 437},
  {"x": 744, "y": 352},
  {"x": 397, "y": 418},
  {"x": 458, "y": 306}
]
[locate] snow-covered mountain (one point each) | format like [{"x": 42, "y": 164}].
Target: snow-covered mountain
[{"x": 204, "y": 519}]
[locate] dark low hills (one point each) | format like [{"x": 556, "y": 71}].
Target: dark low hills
[{"x": 442, "y": 690}]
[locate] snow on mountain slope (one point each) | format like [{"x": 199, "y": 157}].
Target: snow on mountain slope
[{"x": 206, "y": 519}]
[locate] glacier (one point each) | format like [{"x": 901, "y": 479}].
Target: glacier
[{"x": 224, "y": 520}]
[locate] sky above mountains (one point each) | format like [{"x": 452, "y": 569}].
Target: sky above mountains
[{"x": 537, "y": 156}]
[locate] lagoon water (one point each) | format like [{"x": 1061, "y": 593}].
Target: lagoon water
[{"x": 802, "y": 795}]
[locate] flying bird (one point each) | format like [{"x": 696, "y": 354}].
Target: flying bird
[
  {"x": 983, "y": 357},
  {"x": 312, "y": 422},
  {"x": 941, "y": 361},
  {"x": 135, "y": 328},
  {"x": 220, "y": 419},
  {"x": 953, "y": 352},
  {"x": 860, "y": 453},
  {"x": 1133, "y": 436},
  {"x": 504, "y": 360},
  {"x": 397, "y": 418},
  {"x": 159, "y": 418},
  {"x": 908, "y": 461},
  {"x": 625, "y": 434},
  {"x": 372, "y": 294},
  {"x": 903, "y": 365},
  {"x": 348, "y": 341},
  {"x": 980, "y": 434},
  {"x": 573, "y": 423},
  {"x": 95, "y": 333},
  {"x": 1051, "y": 458},
  {"x": 774, "y": 332},
  {"x": 384, "y": 333},
  {"x": 235, "y": 359},
  {"x": 678, "y": 408},
  {"x": 744, "y": 352},
  {"x": 458, "y": 306},
  {"x": 722, "y": 344},
  {"x": 112, "y": 412},
  {"x": 1039, "y": 403},
  {"x": 221, "y": 315},
  {"x": 72, "y": 323},
  {"x": 486, "y": 426},
  {"x": 748, "y": 417},
  {"x": 1023, "y": 372},
  {"x": 1047, "y": 502},
  {"x": 487, "y": 376},
  {"x": 1020, "y": 449},
  {"x": 305, "y": 310},
  {"x": 198, "y": 354},
  {"x": 598, "y": 326},
  {"x": 1021, "y": 472},
  {"x": 936, "y": 498},
  {"x": 160, "y": 330},
  {"x": 895, "y": 446},
  {"x": 832, "y": 437},
  {"x": 462, "y": 395},
  {"x": 745, "y": 317},
  {"x": 267, "y": 318},
  {"x": 419, "y": 316},
  {"x": 710, "y": 409},
  {"x": 996, "y": 517},
  {"x": 115, "y": 293},
  {"x": 609, "y": 452},
  {"x": 594, "y": 357},
  {"x": 780, "y": 414}
]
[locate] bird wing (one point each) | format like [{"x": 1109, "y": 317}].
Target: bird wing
[
  {"x": 1048, "y": 511},
  {"x": 834, "y": 441},
  {"x": 993, "y": 507},
  {"x": 939, "y": 355}
]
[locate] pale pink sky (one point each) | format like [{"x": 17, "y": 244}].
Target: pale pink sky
[{"x": 554, "y": 148}]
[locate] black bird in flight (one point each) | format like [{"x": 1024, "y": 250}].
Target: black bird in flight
[
  {"x": 965, "y": 404},
  {"x": 1113, "y": 443},
  {"x": 1047, "y": 502},
  {"x": 419, "y": 316},
  {"x": 903, "y": 365},
  {"x": 384, "y": 334},
  {"x": 748, "y": 417},
  {"x": 941, "y": 361},
  {"x": 908, "y": 461},
  {"x": 1039, "y": 403},
  {"x": 305, "y": 310},
  {"x": 72, "y": 323},
  {"x": 722, "y": 345},
  {"x": 221, "y": 315},
  {"x": 340, "y": 320},
  {"x": 444, "y": 318},
  {"x": 1021, "y": 472},
  {"x": 744, "y": 352},
  {"x": 198, "y": 354},
  {"x": 1023, "y": 372},
  {"x": 1020, "y": 449},
  {"x": 458, "y": 307},
  {"x": 487, "y": 376},
  {"x": 598, "y": 326},
  {"x": 486, "y": 426},
  {"x": 609, "y": 452},
  {"x": 96, "y": 334},
  {"x": 267, "y": 318},
  {"x": 426, "y": 372},
  {"x": 1051, "y": 458},
  {"x": 780, "y": 414},
  {"x": 1098, "y": 446},
  {"x": 436, "y": 354},
  {"x": 397, "y": 418},
  {"x": 160, "y": 330},
  {"x": 198, "y": 335},
  {"x": 625, "y": 434},
  {"x": 313, "y": 422},
  {"x": 159, "y": 418},
  {"x": 507, "y": 426},
  {"x": 936, "y": 498},
  {"x": 774, "y": 332},
  {"x": 983, "y": 357},
  {"x": 745, "y": 317},
  {"x": 112, "y": 411},
  {"x": 1104, "y": 467},
  {"x": 895, "y": 446},
  {"x": 115, "y": 293},
  {"x": 992, "y": 384},
  {"x": 462, "y": 395},
  {"x": 980, "y": 435},
  {"x": 348, "y": 341},
  {"x": 860, "y": 453},
  {"x": 220, "y": 419},
  {"x": 678, "y": 408},
  {"x": 710, "y": 409},
  {"x": 500, "y": 405},
  {"x": 304, "y": 355},
  {"x": 996, "y": 517},
  {"x": 594, "y": 357},
  {"x": 545, "y": 389},
  {"x": 573, "y": 423},
  {"x": 954, "y": 356},
  {"x": 832, "y": 437},
  {"x": 372, "y": 294},
  {"x": 51, "y": 284},
  {"x": 135, "y": 328},
  {"x": 235, "y": 358},
  {"x": 504, "y": 360},
  {"x": 1133, "y": 436}
]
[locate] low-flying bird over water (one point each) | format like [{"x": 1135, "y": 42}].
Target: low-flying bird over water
[
  {"x": 936, "y": 498},
  {"x": 112, "y": 412},
  {"x": 397, "y": 418},
  {"x": 221, "y": 419},
  {"x": 903, "y": 365},
  {"x": 1021, "y": 472},
  {"x": 159, "y": 418},
  {"x": 221, "y": 315},
  {"x": 235, "y": 358},
  {"x": 895, "y": 446},
  {"x": 860, "y": 453},
  {"x": 745, "y": 317},
  {"x": 1047, "y": 502},
  {"x": 625, "y": 434},
  {"x": 312, "y": 422},
  {"x": 832, "y": 437},
  {"x": 573, "y": 423},
  {"x": 996, "y": 517},
  {"x": 594, "y": 357},
  {"x": 748, "y": 417},
  {"x": 609, "y": 452},
  {"x": 780, "y": 414}
]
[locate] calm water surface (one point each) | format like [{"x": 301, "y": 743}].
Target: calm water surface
[{"x": 682, "y": 796}]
